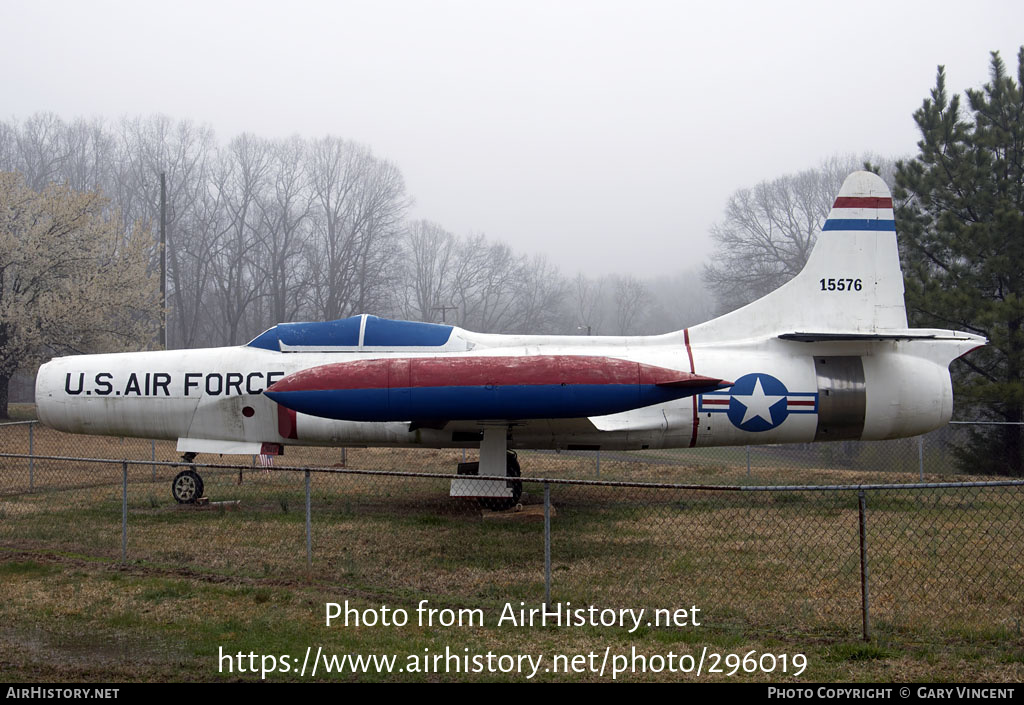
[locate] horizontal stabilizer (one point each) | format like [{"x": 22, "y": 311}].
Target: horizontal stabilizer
[
  {"x": 888, "y": 335},
  {"x": 839, "y": 337},
  {"x": 629, "y": 421}
]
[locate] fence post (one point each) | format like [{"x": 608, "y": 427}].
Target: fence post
[
  {"x": 547, "y": 545},
  {"x": 597, "y": 454},
  {"x": 152, "y": 456},
  {"x": 920, "y": 457},
  {"x": 748, "y": 462},
  {"x": 31, "y": 459},
  {"x": 124, "y": 511},
  {"x": 309, "y": 528},
  {"x": 865, "y": 601}
]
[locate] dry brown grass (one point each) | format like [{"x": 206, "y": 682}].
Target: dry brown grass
[
  {"x": 943, "y": 564},
  {"x": 70, "y": 620}
]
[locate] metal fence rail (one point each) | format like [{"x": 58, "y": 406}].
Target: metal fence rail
[
  {"x": 817, "y": 463},
  {"x": 840, "y": 558}
]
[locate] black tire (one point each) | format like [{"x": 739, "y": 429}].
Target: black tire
[
  {"x": 501, "y": 504},
  {"x": 187, "y": 487}
]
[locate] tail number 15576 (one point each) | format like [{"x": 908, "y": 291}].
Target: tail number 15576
[{"x": 841, "y": 284}]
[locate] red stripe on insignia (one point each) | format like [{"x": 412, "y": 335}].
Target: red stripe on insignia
[
  {"x": 715, "y": 402},
  {"x": 862, "y": 202},
  {"x": 800, "y": 403}
]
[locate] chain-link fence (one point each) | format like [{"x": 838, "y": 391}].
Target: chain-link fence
[{"x": 767, "y": 545}]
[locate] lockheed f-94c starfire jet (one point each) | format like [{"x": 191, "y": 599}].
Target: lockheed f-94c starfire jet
[{"x": 827, "y": 356}]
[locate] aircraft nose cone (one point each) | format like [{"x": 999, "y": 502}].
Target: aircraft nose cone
[{"x": 49, "y": 402}]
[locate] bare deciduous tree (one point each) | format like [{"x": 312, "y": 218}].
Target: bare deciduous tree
[
  {"x": 540, "y": 292},
  {"x": 588, "y": 303},
  {"x": 359, "y": 202},
  {"x": 42, "y": 149},
  {"x": 241, "y": 177},
  {"x": 285, "y": 209},
  {"x": 631, "y": 299},
  {"x": 185, "y": 153},
  {"x": 429, "y": 261},
  {"x": 769, "y": 231},
  {"x": 261, "y": 232}
]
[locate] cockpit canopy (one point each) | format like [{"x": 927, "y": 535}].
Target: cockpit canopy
[{"x": 358, "y": 333}]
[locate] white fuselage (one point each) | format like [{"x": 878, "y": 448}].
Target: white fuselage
[{"x": 215, "y": 395}]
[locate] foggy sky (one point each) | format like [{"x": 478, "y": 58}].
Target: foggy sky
[{"x": 606, "y": 135}]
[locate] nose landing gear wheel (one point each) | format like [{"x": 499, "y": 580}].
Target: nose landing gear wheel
[{"x": 187, "y": 487}]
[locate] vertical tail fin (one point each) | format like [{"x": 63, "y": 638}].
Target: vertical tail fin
[{"x": 852, "y": 282}]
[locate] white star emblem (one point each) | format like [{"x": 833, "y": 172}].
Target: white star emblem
[{"x": 757, "y": 403}]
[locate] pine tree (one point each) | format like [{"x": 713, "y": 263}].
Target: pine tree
[{"x": 962, "y": 233}]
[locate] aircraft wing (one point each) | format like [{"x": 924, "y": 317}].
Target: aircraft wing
[{"x": 651, "y": 419}]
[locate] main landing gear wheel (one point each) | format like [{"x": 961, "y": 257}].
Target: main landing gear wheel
[
  {"x": 501, "y": 504},
  {"x": 187, "y": 487}
]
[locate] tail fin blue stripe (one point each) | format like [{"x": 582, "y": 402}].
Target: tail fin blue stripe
[{"x": 874, "y": 225}]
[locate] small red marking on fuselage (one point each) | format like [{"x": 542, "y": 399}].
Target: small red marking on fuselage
[
  {"x": 287, "y": 424},
  {"x": 696, "y": 420}
]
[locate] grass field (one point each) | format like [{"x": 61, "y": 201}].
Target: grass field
[
  {"x": 75, "y": 620},
  {"x": 774, "y": 572}
]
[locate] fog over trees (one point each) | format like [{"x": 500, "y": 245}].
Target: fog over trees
[
  {"x": 262, "y": 231},
  {"x": 770, "y": 229}
]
